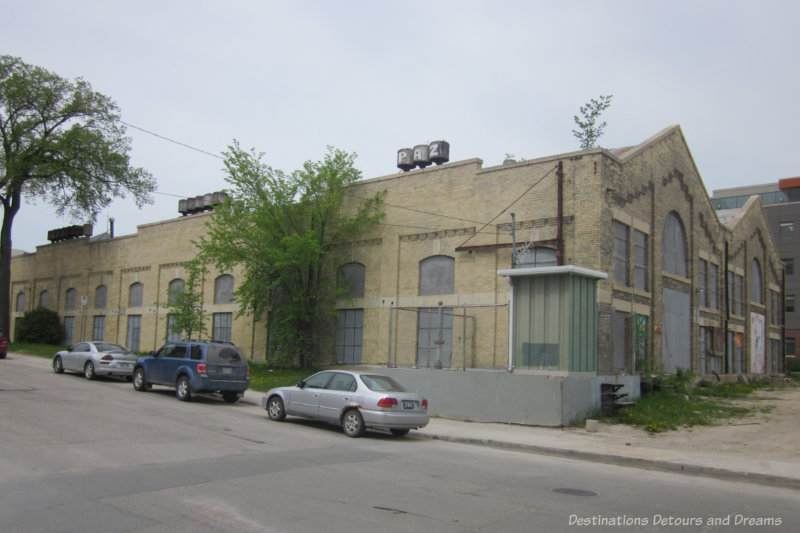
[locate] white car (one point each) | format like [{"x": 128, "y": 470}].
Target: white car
[
  {"x": 353, "y": 400},
  {"x": 94, "y": 359}
]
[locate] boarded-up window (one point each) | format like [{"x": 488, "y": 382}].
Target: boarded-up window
[
  {"x": 175, "y": 286},
  {"x": 437, "y": 275},
  {"x": 100, "y": 296},
  {"x": 135, "y": 295},
  {"x": 674, "y": 246},
  {"x": 755, "y": 282},
  {"x": 223, "y": 289},
  {"x": 351, "y": 278}
]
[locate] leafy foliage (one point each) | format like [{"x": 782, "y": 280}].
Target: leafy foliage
[
  {"x": 39, "y": 326},
  {"x": 589, "y": 130},
  {"x": 187, "y": 303},
  {"x": 286, "y": 232},
  {"x": 62, "y": 143}
]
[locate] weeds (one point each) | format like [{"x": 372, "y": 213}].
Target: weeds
[{"x": 670, "y": 402}]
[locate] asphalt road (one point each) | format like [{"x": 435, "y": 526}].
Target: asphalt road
[{"x": 98, "y": 456}]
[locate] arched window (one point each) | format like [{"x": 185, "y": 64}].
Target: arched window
[
  {"x": 437, "y": 275},
  {"x": 175, "y": 286},
  {"x": 44, "y": 299},
  {"x": 100, "y": 296},
  {"x": 674, "y": 246},
  {"x": 135, "y": 295},
  {"x": 351, "y": 278},
  {"x": 755, "y": 282},
  {"x": 69, "y": 300},
  {"x": 20, "y": 307},
  {"x": 223, "y": 289}
]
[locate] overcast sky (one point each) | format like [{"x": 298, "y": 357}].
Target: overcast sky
[{"x": 491, "y": 77}]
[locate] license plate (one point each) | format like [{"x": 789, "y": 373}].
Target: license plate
[
  {"x": 227, "y": 371},
  {"x": 408, "y": 404},
  {"x": 126, "y": 365}
]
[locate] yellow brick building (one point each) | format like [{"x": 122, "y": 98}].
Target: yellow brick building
[{"x": 683, "y": 290}]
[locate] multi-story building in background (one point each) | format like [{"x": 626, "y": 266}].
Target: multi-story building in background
[{"x": 781, "y": 201}]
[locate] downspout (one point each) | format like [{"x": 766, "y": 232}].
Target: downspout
[
  {"x": 727, "y": 311},
  {"x": 511, "y": 325},
  {"x": 560, "y": 215}
]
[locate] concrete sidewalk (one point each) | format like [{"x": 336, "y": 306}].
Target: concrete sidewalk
[{"x": 607, "y": 447}]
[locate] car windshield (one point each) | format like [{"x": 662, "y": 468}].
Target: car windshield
[
  {"x": 224, "y": 354},
  {"x": 381, "y": 383},
  {"x": 107, "y": 347}
]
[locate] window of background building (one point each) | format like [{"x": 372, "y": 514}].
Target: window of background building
[
  {"x": 135, "y": 296},
  {"x": 69, "y": 299},
  {"x": 223, "y": 323},
  {"x": 175, "y": 286},
  {"x": 711, "y": 287},
  {"x": 785, "y": 230},
  {"x": 621, "y": 236},
  {"x": 789, "y": 346},
  {"x": 437, "y": 275},
  {"x": 674, "y": 246},
  {"x": 134, "y": 332},
  {"x": 44, "y": 299},
  {"x": 773, "y": 307},
  {"x": 640, "y": 261},
  {"x": 69, "y": 322},
  {"x": 738, "y": 289},
  {"x": 789, "y": 303},
  {"x": 349, "y": 333},
  {"x": 98, "y": 328},
  {"x": 100, "y": 295},
  {"x": 172, "y": 336},
  {"x": 702, "y": 272},
  {"x": 755, "y": 282},
  {"x": 20, "y": 306},
  {"x": 352, "y": 278},
  {"x": 223, "y": 289}
]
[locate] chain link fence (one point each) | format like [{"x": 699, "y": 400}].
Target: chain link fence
[{"x": 448, "y": 337}]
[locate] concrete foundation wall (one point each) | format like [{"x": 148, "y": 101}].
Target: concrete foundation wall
[{"x": 514, "y": 398}]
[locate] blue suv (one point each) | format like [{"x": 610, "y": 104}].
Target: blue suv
[{"x": 195, "y": 366}]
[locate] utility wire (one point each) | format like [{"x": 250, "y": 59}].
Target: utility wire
[{"x": 172, "y": 140}]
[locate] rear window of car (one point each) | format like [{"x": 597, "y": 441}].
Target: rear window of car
[
  {"x": 381, "y": 383},
  {"x": 224, "y": 354},
  {"x": 106, "y": 347}
]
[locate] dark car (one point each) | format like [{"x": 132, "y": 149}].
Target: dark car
[{"x": 193, "y": 367}]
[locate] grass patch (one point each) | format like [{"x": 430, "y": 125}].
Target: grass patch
[
  {"x": 264, "y": 377},
  {"x": 670, "y": 402},
  {"x": 40, "y": 350}
]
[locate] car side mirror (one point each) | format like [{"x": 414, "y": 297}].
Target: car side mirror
[
  {"x": 301, "y": 384},
  {"x": 152, "y": 354}
]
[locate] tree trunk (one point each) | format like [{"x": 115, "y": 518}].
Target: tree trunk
[{"x": 10, "y": 208}]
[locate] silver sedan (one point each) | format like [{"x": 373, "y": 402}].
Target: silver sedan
[
  {"x": 94, "y": 359},
  {"x": 354, "y": 400}
]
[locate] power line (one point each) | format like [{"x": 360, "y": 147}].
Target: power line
[{"x": 172, "y": 140}]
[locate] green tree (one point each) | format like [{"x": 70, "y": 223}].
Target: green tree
[
  {"x": 186, "y": 303},
  {"x": 286, "y": 231},
  {"x": 62, "y": 143},
  {"x": 39, "y": 326},
  {"x": 589, "y": 130}
]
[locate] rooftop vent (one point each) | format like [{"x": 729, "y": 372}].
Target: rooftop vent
[
  {"x": 69, "y": 232},
  {"x": 199, "y": 204},
  {"x": 423, "y": 155}
]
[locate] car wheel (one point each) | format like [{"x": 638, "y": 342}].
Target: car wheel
[
  {"x": 399, "y": 432},
  {"x": 275, "y": 409},
  {"x": 230, "y": 396},
  {"x": 138, "y": 380},
  {"x": 183, "y": 389},
  {"x": 353, "y": 423},
  {"x": 88, "y": 370},
  {"x": 58, "y": 365}
]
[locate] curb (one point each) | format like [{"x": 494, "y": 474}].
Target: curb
[{"x": 625, "y": 460}]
